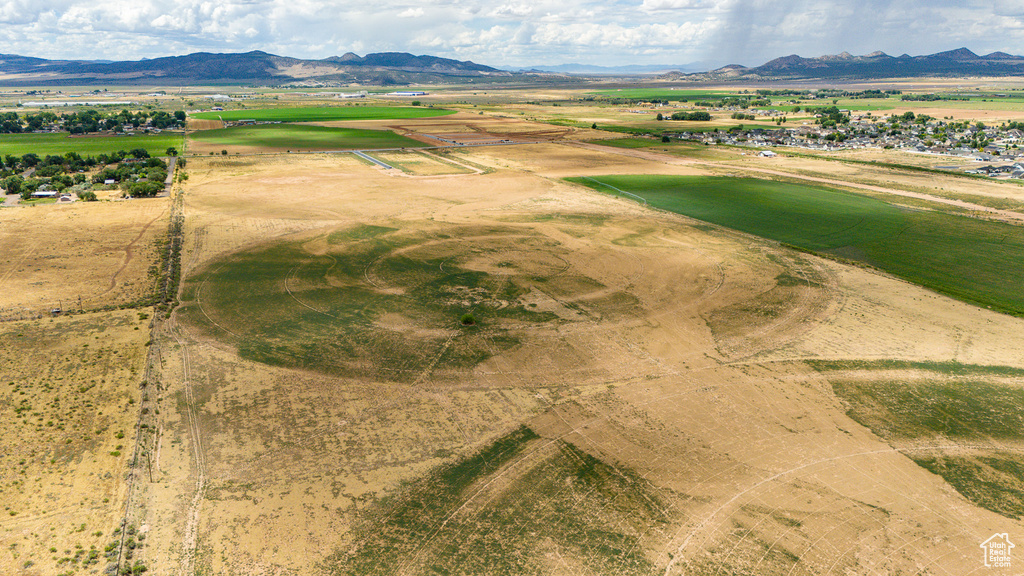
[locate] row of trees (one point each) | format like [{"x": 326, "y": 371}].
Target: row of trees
[
  {"x": 700, "y": 116},
  {"x": 91, "y": 120},
  {"x": 50, "y": 165},
  {"x": 134, "y": 171}
]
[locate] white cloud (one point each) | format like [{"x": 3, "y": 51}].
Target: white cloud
[
  {"x": 660, "y": 5},
  {"x": 513, "y": 32},
  {"x": 512, "y": 10}
]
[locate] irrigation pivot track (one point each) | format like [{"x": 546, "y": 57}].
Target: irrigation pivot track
[{"x": 630, "y": 194}]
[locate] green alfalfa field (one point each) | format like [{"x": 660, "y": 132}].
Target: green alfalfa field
[
  {"x": 324, "y": 114},
  {"x": 60, "y": 144},
  {"x": 296, "y": 137}
]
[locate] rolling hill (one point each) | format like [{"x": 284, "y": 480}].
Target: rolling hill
[{"x": 389, "y": 68}]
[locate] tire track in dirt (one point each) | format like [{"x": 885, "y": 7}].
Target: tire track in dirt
[
  {"x": 192, "y": 515},
  {"x": 703, "y": 524},
  {"x": 796, "y": 320},
  {"x": 128, "y": 255},
  {"x": 199, "y": 303}
]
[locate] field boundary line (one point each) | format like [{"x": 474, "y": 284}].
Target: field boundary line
[{"x": 641, "y": 198}]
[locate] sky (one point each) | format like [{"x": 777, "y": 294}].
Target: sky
[{"x": 511, "y": 33}]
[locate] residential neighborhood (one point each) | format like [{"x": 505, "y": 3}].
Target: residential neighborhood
[{"x": 835, "y": 129}]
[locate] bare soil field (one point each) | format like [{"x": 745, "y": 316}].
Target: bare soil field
[
  {"x": 637, "y": 392},
  {"x": 69, "y": 401},
  {"x": 201, "y": 124},
  {"x": 100, "y": 252},
  {"x": 557, "y": 160}
]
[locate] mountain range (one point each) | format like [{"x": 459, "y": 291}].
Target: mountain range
[
  {"x": 876, "y": 65},
  {"x": 388, "y": 68},
  {"x": 399, "y": 68}
]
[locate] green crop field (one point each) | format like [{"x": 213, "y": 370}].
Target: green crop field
[
  {"x": 324, "y": 114},
  {"x": 973, "y": 260},
  {"x": 60, "y": 144},
  {"x": 302, "y": 137}
]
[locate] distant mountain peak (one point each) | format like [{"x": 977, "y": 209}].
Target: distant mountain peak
[
  {"x": 959, "y": 62},
  {"x": 254, "y": 66},
  {"x": 958, "y": 54}
]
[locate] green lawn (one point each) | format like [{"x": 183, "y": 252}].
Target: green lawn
[
  {"x": 973, "y": 260},
  {"x": 303, "y": 137},
  {"x": 324, "y": 114},
  {"x": 60, "y": 144}
]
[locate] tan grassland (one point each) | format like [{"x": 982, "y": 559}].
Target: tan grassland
[
  {"x": 99, "y": 251},
  {"x": 64, "y": 454}
]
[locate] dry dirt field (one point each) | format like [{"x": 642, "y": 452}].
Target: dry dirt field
[
  {"x": 99, "y": 251},
  {"x": 466, "y": 365},
  {"x": 636, "y": 396}
]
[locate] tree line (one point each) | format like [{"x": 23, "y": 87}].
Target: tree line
[
  {"x": 137, "y": 174},
  {"x": 88, "y": 121}
]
